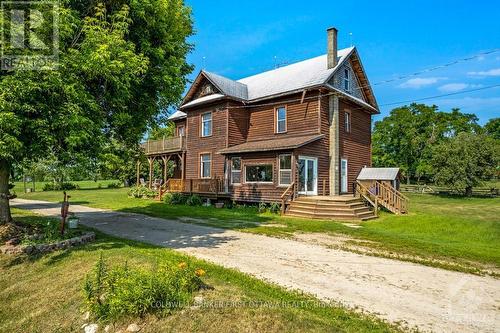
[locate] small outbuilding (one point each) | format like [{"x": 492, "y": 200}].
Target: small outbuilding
[{"x": 389, "y": 176}]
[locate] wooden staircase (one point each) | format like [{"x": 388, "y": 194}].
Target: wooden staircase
[
  {"x": 380, "y": 194},
  {"x": 343, "y": 208}
]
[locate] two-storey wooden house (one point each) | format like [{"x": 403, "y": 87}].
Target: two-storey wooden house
[{"x": 305, "y": 127}]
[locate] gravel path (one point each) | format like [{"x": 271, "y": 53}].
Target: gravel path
[{"x": 429, "y": 298}]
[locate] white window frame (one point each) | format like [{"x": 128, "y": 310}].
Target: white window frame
[
  {"x": 181, "y": 128},
  {"x": 347, "y": 80},
  {"x": 210, "y": 165},
  {"x": 257, "y": 182},
  {"x": 280, "y": 170},
  {"x": 205, "y": 123},
  {"x": 277, "y": 120},
  {"x": 235, "y": 171},
  {"x": 347, "y": 121}
]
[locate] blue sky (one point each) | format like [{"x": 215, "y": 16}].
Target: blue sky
[{"x": 241, "y": 38}]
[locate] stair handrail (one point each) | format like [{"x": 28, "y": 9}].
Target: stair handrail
[
  {"x": 163, "y": 189},
  {"x": 367, "y": 195},
  {"x": 286, "y": 196},
  {"x": 393, "y": 197}
]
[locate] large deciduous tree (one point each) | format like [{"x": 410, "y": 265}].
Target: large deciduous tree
[
  {"x": 121, "y": 63},
  {"x": 405, "y": 138},
  {"x": 465, "y": 160}
]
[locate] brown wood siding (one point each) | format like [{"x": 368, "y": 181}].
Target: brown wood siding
[
  {"x": 179, "y": 123},
  {"x": 302, "y": 118},
  {"x": 197, "y": 145},
  {"x": 238, "y": 119},
  {"x": 356, "y": 145},
  {"x": 259, "y": 192}
]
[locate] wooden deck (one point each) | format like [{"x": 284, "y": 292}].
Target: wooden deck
[{"x": 164, "y": 146}]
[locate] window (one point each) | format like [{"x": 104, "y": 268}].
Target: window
[
  {"x": 259, "y": 173},
  {"x": 281, "y": 120},
  {"x": 285, "y": 170},
  {"x": 205, "y": 165},
  {"x": 347, "y": 85},
  {"x": 347, "y": 122},
  {"x": 206, "y": 124},
  {"x": 180, "y": 130},
  {"x": 236, "y": 170}
]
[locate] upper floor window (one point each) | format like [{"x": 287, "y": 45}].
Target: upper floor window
[
  {"x": 205, "y": 165},
  {"x": 236, "y": 170},
  {"x": 206, "y": 124},
  {"x": 347, "y": 122},
  {"x": 347, "y": 80},
  {"x": 281, "y": 119},
  {"x": 180, "y": 130},
  {"x": 285, "y": 170}
]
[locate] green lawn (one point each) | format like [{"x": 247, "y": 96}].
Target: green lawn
[
  {"x": 82, "y": 184},
  {"x": 43, "y": 294},
  {"x": 463, "y": 231}
]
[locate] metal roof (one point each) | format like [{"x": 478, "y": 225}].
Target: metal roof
[
  {"x": 378, "y": 173},
  {"x": 227, "y": 86},
  {"x": 177, "y": 115},
  {"x": 272, "y": 144}
]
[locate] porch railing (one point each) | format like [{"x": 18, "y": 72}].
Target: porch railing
[{"x": 164, "y": 145}]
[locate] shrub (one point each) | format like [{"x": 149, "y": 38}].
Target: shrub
[
  {"x": 111, "y": 293},
  {"x": 142, "y": 192},
  {"x": 167, "y": 198},
  {"x": 194, "y": 200},
  {"x": 178, "y": 199},
  {"x": 59, "y": 187},
  {"x": 114, "y": 185},
  {"x": 275, "y": 208},
  {"x": 262, "y": 207}
]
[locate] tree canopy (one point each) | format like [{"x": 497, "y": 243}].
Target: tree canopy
[{"x": 121, "y": 64}]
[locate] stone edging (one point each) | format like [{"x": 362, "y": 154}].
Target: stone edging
[{"x": 46, "y": 248}]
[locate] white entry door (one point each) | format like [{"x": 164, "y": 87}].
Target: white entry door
[
  {"x": 308, "y": 175},
  {"x": 343, "y": 176}
]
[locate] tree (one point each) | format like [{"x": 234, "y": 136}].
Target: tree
[
  {"x": 465, "y": 160},
  {"x": 121, "y": 64},
  {"x": 405, "y": 138},
  {"x": 492, "y": 128}
]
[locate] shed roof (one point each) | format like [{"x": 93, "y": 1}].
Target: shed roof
[
  {"x": 378, "y": 173},
  {"x": 272, "y": 144}
]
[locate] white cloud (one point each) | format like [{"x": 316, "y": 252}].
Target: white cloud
[
  {"x": 491, "y": 72},
  {"x": 454, "y": 87},
  {"x": 420, "y": 82}
]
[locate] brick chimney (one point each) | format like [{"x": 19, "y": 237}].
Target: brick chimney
[{"x": 332, "y": 47}]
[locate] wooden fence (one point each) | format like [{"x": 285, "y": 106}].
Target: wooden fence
[{"x": 477, "y": 191}]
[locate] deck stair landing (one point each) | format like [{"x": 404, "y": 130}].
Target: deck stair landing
[{"x": 345, "y": 208}]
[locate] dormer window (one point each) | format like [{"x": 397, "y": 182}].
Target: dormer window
[{"x": 347, "y": 80}]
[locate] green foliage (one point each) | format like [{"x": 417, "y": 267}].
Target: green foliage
[
  {"x": 262, "y": 207},
  {"x": 59, "y": 187},
  {"x": 111, "y": 293},
  {"x": 465, "y": 160},
  {"x": 142, "y": 192},
  {"x": 492, "y": 128},
  {"x": 405, "y": 138},
  {"x": 114, "y": 185},
  {"x": 275, "y": 208},
  {"x": 194, "y": 200}
]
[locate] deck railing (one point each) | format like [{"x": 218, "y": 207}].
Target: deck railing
[{"x": 164, "y": 145}]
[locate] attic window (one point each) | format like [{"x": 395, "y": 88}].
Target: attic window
[
  {"x": 207, "y": 90},
  {"x": 347, "y": 81}
]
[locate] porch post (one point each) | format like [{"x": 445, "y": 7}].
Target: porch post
[
  {"x": 164, "y": 169},
  {"x": 138, "y": 174},
  {"x": 182, "y": 164},
  {"x": 151, "y": 161}
]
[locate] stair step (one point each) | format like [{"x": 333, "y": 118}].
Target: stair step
[{"x": 321, "y": 214}]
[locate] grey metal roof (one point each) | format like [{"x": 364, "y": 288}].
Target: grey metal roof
[
  {"x": 177, "y": 115},
  {"x": 272, "y": 144},
  {"x": 378, "y": 173},
  {"x": 227, "y": 86}
]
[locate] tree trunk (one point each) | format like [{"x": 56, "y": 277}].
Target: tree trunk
[
  {"x": 5, "y": 216},
  {"x": 468, "y": 191}
]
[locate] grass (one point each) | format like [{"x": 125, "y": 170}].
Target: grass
[
  {"x": 82, "y": 184},
  {"x": 43, "y": 294},
  {"x": 465, "y": 231}
]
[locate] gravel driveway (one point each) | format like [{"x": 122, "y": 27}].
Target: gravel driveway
[{"x": 429, "y": 298}]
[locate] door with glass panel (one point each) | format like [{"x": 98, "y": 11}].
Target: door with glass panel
[{"x": 308, "y": 175}]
